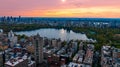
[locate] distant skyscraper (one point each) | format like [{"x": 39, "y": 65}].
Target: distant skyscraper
[{"x": 38, "y": 42}]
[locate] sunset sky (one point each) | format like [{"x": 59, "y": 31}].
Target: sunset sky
[{"x": 60, "y": 8}]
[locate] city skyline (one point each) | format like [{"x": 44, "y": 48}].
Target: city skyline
[{"x": 60, "y": 8}]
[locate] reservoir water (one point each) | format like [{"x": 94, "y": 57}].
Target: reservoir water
[{"x": 63, "y": 34}]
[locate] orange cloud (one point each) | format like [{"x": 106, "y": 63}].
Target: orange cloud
[
  {"x": 77, "y": 12},
  {"x": 57, "y": 8}
]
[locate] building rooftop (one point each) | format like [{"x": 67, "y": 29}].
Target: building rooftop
[
  {"x": 15, "y": 61},
  {"x": 72, "y": 64}
]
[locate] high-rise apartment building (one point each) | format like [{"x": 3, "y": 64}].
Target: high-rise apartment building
[{"x": 38, "y": 42}]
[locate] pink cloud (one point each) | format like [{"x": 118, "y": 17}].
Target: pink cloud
[{"x": 14, "y": 7}]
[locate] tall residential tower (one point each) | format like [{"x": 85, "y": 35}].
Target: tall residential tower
[{"x": 38, "y": 42}]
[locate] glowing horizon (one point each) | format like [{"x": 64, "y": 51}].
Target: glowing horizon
[{"x": 60, "y": 8}]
